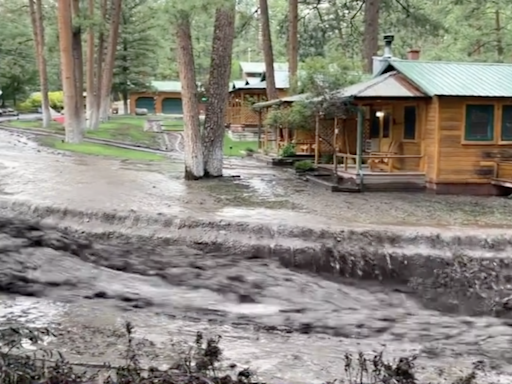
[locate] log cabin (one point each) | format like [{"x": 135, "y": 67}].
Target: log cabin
[
  {"x": 253, "y": 71},
  {"x": 164, "y": 98},
  {"x": 441, "y": 126},
  {"x": 240, "y": 115},
  {"x": 447, "y": 124}
]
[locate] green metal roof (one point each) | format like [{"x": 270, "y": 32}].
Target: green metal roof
[
  {"x": 456, "y": 79},
  {"x": 167, "y": 86},
  {"x": 287, "y": 99},
  {"x": 256, "y": 67}
]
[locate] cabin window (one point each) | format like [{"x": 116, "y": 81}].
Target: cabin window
[
  {"x": 386, "y": 126},
  {"x": 410, "y": 123},
  {"x": 506, "y": 123},
  {"x": 479, "y": 123}
]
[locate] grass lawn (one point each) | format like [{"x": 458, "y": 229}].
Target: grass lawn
[
  {"x": 54, "y": 126},
  {"x": 233, "y": 148},
  {"x": 129, "y": 129},
  {"x": 101, "y": 150}
]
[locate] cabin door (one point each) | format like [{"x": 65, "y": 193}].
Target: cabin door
[
  {"x": 386, "y": 128},
  {"x": 381, "y": 128}
]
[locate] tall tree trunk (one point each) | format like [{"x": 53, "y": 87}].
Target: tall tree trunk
[
  {"x": 98, "y": 70},
  {"x": 126, "y": 99},
  {"x": 500, "y": 50},
  {"x": 267, "y": 51},
  {"x": 78, "y": 58},
  {"x": 194, "y": 164},
  {"x": 293, "y": 41},
  {"x": 218, "y": 84},
  {"x": 36, "y": 15},
  {"x": 91, "y": 89},
  {"x": 108, "y": 67},
  {"x": 74, "y": 133},
  {"x": 371, "y": 33}
]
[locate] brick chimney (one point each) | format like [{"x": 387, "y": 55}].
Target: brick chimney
[{"x": 413, "y": 54}]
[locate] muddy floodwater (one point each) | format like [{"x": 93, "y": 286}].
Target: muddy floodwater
[{"x": 288, "y": 324}]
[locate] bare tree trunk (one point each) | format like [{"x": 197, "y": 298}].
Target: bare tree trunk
[
  {"x": 194, "y": 164},
  {"x": 100, "y": 58},
  {"x": 126, "y": 99},
  {"x": 78, "y": 58},
  {"x": 74, "y": 133},
  {"x": 500, "y": 50},
  {"x": 371, "y": 32},
  {"x": 267, "y": 51},
  {"x": 218, "y": 84},
  {"x": 293, "y": 41},
  {"x": 36, "y": 15},
  {"x": 91, "y": 89},
  {"x": 108, "y": 68}
]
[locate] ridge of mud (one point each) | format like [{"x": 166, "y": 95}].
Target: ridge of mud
[{"x": 450, "y": 272}]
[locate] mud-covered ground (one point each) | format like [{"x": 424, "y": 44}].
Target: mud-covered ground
[
  {"x": 287, "y": 325},
  {"x": 260, "y": 193}
]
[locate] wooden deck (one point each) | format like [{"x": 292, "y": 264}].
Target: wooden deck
[{"x": 380, "y": 181}]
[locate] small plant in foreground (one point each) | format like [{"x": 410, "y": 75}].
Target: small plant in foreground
[
  {"x": 249, "y": 150},
  {"x": 304, "y": 166},
  {"x": 199, "y": 365}
]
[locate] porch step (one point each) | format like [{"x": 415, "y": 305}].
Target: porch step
[{"x": 339, "y": 184}]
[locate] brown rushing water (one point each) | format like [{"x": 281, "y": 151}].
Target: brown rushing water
[{"x": 284, "y": 324}]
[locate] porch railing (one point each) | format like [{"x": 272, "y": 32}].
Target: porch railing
[{"x": 369, "y": 156}]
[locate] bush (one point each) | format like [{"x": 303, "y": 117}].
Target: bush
[
  {"x": 35, "y": 100},
  {"x": 25, "y": 107},
  {"x": 299, "y": 115},
  {"x": 249, "y": 150},
  {"x": 304, "y": 166},
  {"x": 275, "y": 118},
  {"x": 288, "y": 150}
]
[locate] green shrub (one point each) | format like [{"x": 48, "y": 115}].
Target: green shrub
[
  {"x": 276, "y": 118},
  {"x": 35, "y": 100},
  {"x": 299, "y": 115},
  {"x": 288, "y": 150},
  {"x": 249, "y": 150},
  {"x": 327, "y": 159},
  {"x": 304, "y": 166},
  {"x": 25, "y": 107}
]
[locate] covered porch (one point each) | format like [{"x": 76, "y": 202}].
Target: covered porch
[{"x": 382, "y": 147}]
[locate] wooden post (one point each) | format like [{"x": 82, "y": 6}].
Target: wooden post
[
  {"x": 317, "y": 138},
  {"x": 359, "y": 149},
  {"x": 260, "y": 123},
  {"x": 334, "y": 142},
  {"x": 265, "y": 139}
]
